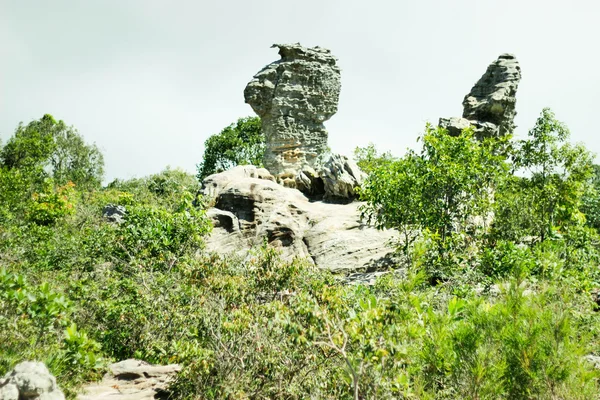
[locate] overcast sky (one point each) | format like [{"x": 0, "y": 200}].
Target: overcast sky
[{"x": 149, "y": 81}]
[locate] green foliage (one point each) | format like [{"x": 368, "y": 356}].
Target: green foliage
[
  {"x": 238, "y": 144},
  {"x": 438, "y": 188},
  {"x": 95, "y": 269},
  {"x": 472, "y": 313},
  {"x": 368, "y": 158},
  {"x": 160, "y": 236},
  {"x": 548, "y": 197},
  {"x": 51, "y": 204},
  {"x": 32, "y": 145},
  {"x": 46, "y": 144},
  {"x": 591, "y": 200}
]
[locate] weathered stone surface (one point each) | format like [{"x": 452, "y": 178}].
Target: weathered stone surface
[
  {"x": 30, "y": 381},
  {"x": 114, "y": 213},
  {"x": 455, "y": 125},
  {"x": 247, "y": 210},
  {"x": 8, "y": 390},
  {"x": 131, "y": 380},
  {"x": 490, "y": 105},
  {"x": 492, "y": 99},
  {"x": 341, "y": 177},
  {"x": 294, "y": 97},
  {"x": 213, "y": 184}
]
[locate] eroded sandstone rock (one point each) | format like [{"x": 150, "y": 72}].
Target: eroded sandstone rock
[
  {"x": 294, "y": 97},
  {"x": 490, "y": 105},
  {"x": 247, "y": 210},
  {"x": 132, "y": 380},
  {"x": 341, "y": 177}
]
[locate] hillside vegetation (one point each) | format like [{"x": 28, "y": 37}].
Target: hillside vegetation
[{"x": 495, "y": 296}]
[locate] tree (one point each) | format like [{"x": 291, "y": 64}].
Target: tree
[
  {"x": 591, "y": 200},
  {"x": 238, "y": 144},
  {"x": 550, "y": 178},
  {"x": 438, "y": 188},
  {"x": 368, "y": 158},
  {"x": 47, "y": 147}
]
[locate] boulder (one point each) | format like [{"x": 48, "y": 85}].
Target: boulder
[
  {"x": 114, "y": 213},
  {"x": 341, "y": 177},
  {"x": 294, "y": 96},
  {"x": 132, "y": 380},
  {"x": 30, "y": 380},
  {"x": 249, "y": 210}
]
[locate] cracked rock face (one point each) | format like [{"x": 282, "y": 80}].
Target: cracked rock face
[
  {"x": 294, "y": 97},
  {"x": 341, "y": 177},
  {"x": 490, "y": 106}
]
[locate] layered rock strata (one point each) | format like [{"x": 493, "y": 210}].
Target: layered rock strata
[
  {"x": 490, "y": 105},
  {"x": 248, "y": 206},
  {"x": 294, "y": 96}
]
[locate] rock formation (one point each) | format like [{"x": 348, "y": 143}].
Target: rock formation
[
  {"x": 132, "y": 379},
  {"x": 490, "y": 106},
  {"x": 114, "y": 213},
  {"x": 30, "y": 381},
  {"x": 341, "y": 177},
  {"x": 249, "y": 207},
  {"x": 294, "y": 97}
]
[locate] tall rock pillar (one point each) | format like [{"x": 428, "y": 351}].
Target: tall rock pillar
[
  {"x": 294, "y": 96},
  {"x": 490, "y": 105}
]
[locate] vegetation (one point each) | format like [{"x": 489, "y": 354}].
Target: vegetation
[
  {"x": 47, "y": 145},
  {"x": 480, "y": 308},
  {"x": 238, "y": 144}
]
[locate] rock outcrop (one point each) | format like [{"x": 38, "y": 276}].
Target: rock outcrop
[
  {"x": 341, "y": 177},
  {"x": 249, "y": 208},
  {"x": 114, "y": 213},
  {"x": 30, "y": 381},
  {"x": 294, "y": 97},
  {"x": 132, "y": 379},
  {"x": 490, "y": 106}
]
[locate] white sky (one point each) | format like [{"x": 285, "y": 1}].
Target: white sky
[{"x": 149, "y": 81}]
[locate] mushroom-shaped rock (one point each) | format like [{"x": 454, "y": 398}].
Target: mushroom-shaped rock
[{"x": 294, "y": 96}]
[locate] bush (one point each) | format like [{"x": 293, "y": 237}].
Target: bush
[{"x": 240, "y": 143}]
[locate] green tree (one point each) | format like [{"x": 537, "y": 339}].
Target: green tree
[
  {"x": 238, "y": 144},
  {"x": 47, "y": 146},
  {"x": 368, "y": 158},
  {"x": 591, "y": 200},
  {"x": 551, "y": 177},
  {"x": 439, "y": 188}
]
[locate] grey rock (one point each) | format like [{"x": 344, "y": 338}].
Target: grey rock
[
  {"x": 249, "y": 210},
  {"x": 294, "y": 96},
  {"x": 8, "y": 390},
  {"x": 455, "y": 125},
  {"x": 213, "y": 185},
  {"x": 114, "y": 213},
  {"x": 341, "y": 177},
  {"x": 32, "y": 381},
  {"x": 593, "y": 359},
  {"x": 309, "y": 182},
  {"x": 492, "y": 99},
  {"x": 490, "y": 105},
  {"x": 132, "y": 380},
  {"x": 370, "y": 278}
]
